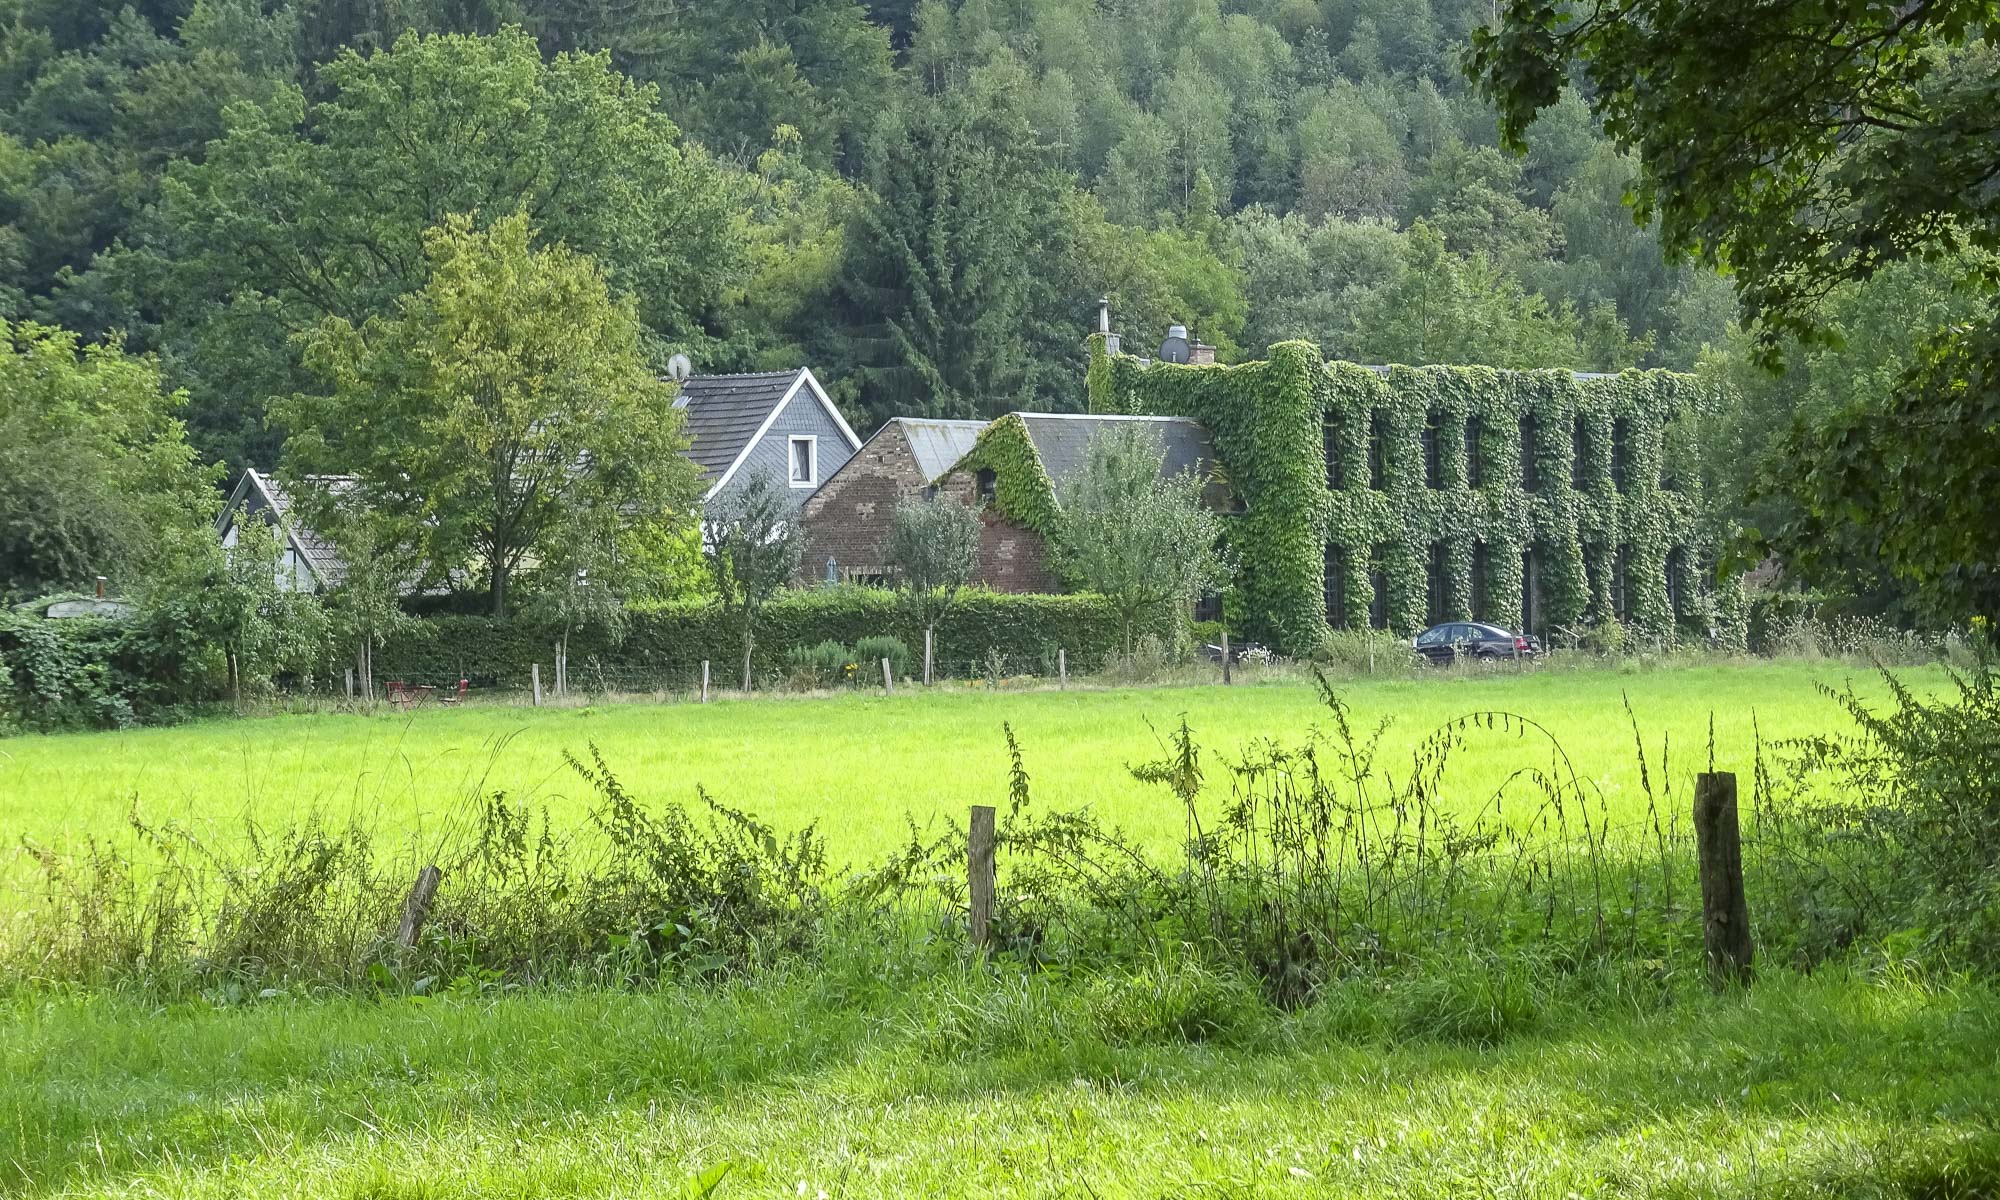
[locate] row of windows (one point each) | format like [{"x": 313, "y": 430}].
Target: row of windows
[
  {"x": 1437, "y": 584},
  {"x": 1332, "y": 432}
]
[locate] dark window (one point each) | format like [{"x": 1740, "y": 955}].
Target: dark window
[
  {"x": 1482, "y": 583},
  {"x": 1621, "y": 591},
  {"x": 1579, "y": 445},
  {"x": 1336, "y": 470},
  {"x": 1334, "y": 585},
  {"x": 1378, "y": 585},
  {"x": 988, "y": 484},
  {"x": 1375, "y": 434},
  {"x": 1433, "y": 460},
  {"x": 1474, "y": 476},
  {"x": 1531, "y": 590},
  {"x": 1531, "y": 466},
  {"x": 1676, "y": 570},
  {"x": 1436, "y": 586},
  {"x": 1621, "y": 430}
]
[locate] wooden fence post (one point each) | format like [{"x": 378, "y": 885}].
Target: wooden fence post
[
  {"x": 704, "y": 681},
  {"x": 979, "y": 875},
  {"x": 1225, "y": 658},
  {"x": 535, "y": 681},
  {"x": 928, "y": 649},
  {"x": 417, "y": 906},
  {"x": 1725, "y": 911},
  {"x": 888, "y": 678},
  {"x": 1062, "y": 668}
]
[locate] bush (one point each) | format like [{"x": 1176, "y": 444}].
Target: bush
[
  {"x": 88, "y": 673},
  {"x": 870, "y": 651},
  {"x": 825, "y": 664},
  {"x": 671, "y": 640}
]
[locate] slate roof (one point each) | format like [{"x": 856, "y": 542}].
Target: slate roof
[
  {"x": 937, "y": 445},
  {"x": 259, "y": 492},
  {"x": 1063, "y": 440},
  {"x": 725, "y": 411}
]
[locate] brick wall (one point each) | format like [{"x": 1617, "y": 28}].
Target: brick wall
[
  {"x": 1011, "y": 558},
  {"x": 848, "y": 519}
]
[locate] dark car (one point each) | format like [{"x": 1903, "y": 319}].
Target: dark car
[{"x": 1467, "y": 639}]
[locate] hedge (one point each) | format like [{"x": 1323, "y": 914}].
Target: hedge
[{"x": 671, "y": 640}]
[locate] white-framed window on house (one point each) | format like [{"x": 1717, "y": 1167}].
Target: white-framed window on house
[{"x": 804, "y": 460}]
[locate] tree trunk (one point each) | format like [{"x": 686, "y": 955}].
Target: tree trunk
[
  {"x": 496, "y": 591},
  {"x": 235, "y": 681}
]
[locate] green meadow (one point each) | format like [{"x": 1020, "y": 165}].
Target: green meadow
[{"x": 857, "y": 763}]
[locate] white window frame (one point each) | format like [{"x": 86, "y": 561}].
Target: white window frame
[{"x": 812, "y": 459}]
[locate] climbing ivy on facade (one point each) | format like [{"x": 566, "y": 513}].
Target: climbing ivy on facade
[{"x": 1400, "y": 497}]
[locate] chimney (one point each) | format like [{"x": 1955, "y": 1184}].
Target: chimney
[
  {"x": 100, "y": 587},
  {"x": 1200, "y": 353},
  {"x": 1104, "y": 325}
]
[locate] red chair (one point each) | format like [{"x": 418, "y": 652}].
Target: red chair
[{"x": 459, "y": 697}]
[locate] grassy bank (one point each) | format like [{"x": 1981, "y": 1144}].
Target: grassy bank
[
  {"x": 847, "y": 1084},
  {"x": 856, "y": 763}
]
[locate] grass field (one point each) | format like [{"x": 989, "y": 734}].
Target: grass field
[
  {"x": 837, "y": 1086},
  {"x": 857, "y": 763}
]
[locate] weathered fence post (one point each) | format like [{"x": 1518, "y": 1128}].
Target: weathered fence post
[
  {"x": 1725, "y": 911},
  {"x": 1225, "y": 658},
  {"x": 1062, "y": 668},
  {"x": 417, "y": 906},
  {"x": 888, "y": 678},
  {"x": 928, "y": 647},
  {"x": 704, "y": 681},
  {"x": 979, "y": 874},
  {"x": 535, "y": 682}
]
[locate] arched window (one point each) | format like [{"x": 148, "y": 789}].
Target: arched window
[
  {"x": 1436, "y": 585},
  {"x": 1531, "y": 466}
]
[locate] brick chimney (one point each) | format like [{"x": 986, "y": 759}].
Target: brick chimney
[{"x": 1104, "y": 325}]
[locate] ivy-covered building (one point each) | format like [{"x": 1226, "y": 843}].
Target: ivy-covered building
[{"x": 1398, "y": 497}]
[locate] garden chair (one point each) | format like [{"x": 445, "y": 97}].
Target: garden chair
[{"x": 458, "y": 697}]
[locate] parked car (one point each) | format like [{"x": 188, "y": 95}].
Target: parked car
[{"x": 1467, "y": 639}]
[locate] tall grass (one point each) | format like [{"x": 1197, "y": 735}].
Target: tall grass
[{"x": 1301, "y": 864}]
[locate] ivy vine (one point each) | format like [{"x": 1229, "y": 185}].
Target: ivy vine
[{"x": 1614, "y": 524}]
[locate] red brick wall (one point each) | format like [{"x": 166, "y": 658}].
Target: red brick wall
[
  {"x": 848, "y": 519},
  {"x": 1011, "y": 558}
]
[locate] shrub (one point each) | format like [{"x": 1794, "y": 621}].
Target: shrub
[
  {"x": 824, "y": 664},
  {"x": 671, "y": 640},
  {"x": 870, "y": 651}
]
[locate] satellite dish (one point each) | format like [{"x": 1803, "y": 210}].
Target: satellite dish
[
  {"x": 679, "y": 367},
  {"x": 1175, "y": 348}
]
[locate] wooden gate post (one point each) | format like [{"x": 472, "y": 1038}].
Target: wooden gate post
[
  {"x": 888, "y": 678},
  {"x": 704, "y": 681},
  {"x": 979, "y": 875},
  {"x": 535, "y": 681},
  {"x": 1062, "y": 668},
  {"x": 417, "y": 906},
  {"x": 1725, "y": 911}
]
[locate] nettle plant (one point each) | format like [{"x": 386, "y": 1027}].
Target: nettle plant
[{"x": 1399, "y": 497}]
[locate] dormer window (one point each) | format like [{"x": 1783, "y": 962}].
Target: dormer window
[{"x": 805, "y": 461}]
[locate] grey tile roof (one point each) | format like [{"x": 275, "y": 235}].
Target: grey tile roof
[
  {"x": 724, "y": 411},
  {"x": 1063, "y": 440},
  {"x": 265, "y": 493},
  {"x": 937, "y": 444},
  {"x": 1579, "y": 376}
]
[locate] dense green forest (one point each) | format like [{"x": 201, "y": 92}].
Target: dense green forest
[{"x": 922, "y": 200}]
